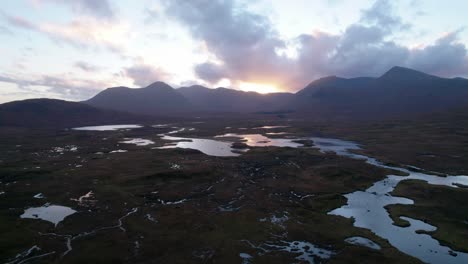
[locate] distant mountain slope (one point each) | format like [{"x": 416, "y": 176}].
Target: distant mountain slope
[
  {"x": 57, "y": 113},
  {"x": 155, "y": 99},
  {"x": 229, "y": 100},
  {"x": 400, "y": 91},
  {"x": 160, "y": 98}
]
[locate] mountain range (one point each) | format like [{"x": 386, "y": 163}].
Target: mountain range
[
  {"x": 59, "y": 113},
  {"x": 400, "y": 92},
  {"x": 160, "y": 98}
]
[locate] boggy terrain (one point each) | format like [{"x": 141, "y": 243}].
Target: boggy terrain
[
  {"x": 443, "y": 207},
  {"x": 137, "y": 203}
]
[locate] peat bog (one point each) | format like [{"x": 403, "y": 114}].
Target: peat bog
[{"x": 152, "y": 193}]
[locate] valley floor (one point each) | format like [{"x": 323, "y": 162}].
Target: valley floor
[{"x": 140, "y": 204}]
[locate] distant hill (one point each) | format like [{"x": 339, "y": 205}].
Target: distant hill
[
  {"x": 161, "y": 99},
  {"x": 397, "y": 93},
  {"x": 155, "y": 99},
  {"x": 229, "y": 100},
  {"x": 58, "y": 113}
]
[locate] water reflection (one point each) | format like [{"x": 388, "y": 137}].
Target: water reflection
[
  {"x": 270, "y": 127},
  {"x": 207, "y": 146},
  {"x": 368, "y": 208},
  {"x": 224, "y": 146},
  {"x": 137, "y": 141},
  {"x": 257, "y": 140},
  {"x": 106, "y": 128},
  {"x": 362, "y": 241},
  {"x": 51, "y": 213}
]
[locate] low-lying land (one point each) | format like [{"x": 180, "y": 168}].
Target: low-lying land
[
  {"x": 180, "y": 205},
  {"x": 439, "y": 206}
]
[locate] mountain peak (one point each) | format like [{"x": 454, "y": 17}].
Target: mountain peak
[
  {"x": 159, "y": 85},
  {"x": 324, "y": 81},
  {"x": 402, "y": 70},
  {"x": 198, "y": 87},
  {"x": 327, "y": 79},
  {"x": 398, "y": 73}
]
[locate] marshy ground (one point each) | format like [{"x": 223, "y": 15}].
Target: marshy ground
[{"x": 141, "y": 204}]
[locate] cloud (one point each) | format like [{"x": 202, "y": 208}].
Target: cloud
[
  {"x": 245, "y": 43},
  {"x": 367, "y": 49},
  {"x": 381, "y": 13},
  {"x": 359, "y": 51},
  {"x": 144, "y": 74},
  {"x": 61, "y": 86},
  {"x": 96, "y": 8},
  {"x": 81, "y": 32},
  {"x": 446, "y": 57},
  {"x": 333, "y": 2},
  {"x": 245, "y": 46},
  {"x": 87, "y": 67},
  {"x": 153, "y": 14},
  {"x": 210, "y": 72},
  {"x": 5, "y": 31},
  {"x": 20, "y": 22}
]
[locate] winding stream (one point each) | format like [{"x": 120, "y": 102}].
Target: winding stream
[{"x": 367, "y": 208}]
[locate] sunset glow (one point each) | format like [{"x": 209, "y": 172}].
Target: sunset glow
[
  {"x": 252, "y": 126},
  {"x": 75, "y": 49},
  {"x": 258, "y": 87}
]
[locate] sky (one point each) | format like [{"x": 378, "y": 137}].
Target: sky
[{"x": 72, "y": 49}]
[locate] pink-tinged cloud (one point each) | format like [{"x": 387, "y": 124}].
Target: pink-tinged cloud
[
  {"x": 81, "y": 32},
  {"x": 61, "y": 86},
  {"x": 246, "y": 46},
  {"x": 21, "y": 22},
  {"x": 244, "y": 42}
]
